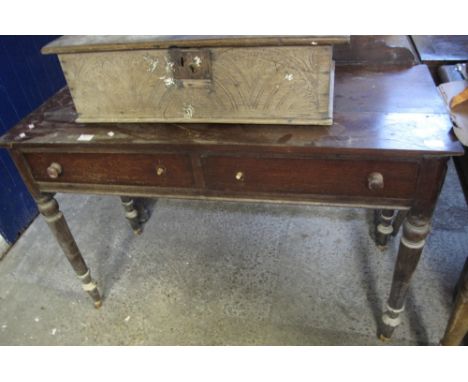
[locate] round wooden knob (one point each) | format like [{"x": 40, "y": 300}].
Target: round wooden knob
[
  {"x": 375, "y": 181},
  {"x": 240, "y": 176},
  {"x": 160, "y": 170},
  {"x": 54, "y": 170}
]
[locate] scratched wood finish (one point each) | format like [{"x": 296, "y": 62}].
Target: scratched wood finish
[
  {"x": 49, "y": 208},
  {"x": 384, "y": 111},
  {"x": 309, "y": 176},
  {"x": 85, "y": 44},
  {"x": 289, "y": 85},
  {"x": 136, "y": 169},
  {"x": 415, "y": 230},
  {"x": 246, "y": 172}
]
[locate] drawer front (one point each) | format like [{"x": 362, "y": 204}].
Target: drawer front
[
  {"x": 165, "y": 170},
  {"x": 342, "y": 177}
]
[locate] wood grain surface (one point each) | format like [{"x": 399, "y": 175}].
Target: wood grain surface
[
  {"x": 288, "y": 85},
  {"x": 130, "y": 169},
  {"x": 309, "y": 176},
  {"x": 82, "y": 44}
]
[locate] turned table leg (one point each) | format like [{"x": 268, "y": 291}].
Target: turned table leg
[
  {"x": 398, "y": 221},
  {"x": 49, "y": 208},
  {"x": 384, "y": 227},
  {"x": 457, "y": 327},
  {"x": 131, "y": 213},
  {"x": 415, "y": 230}
]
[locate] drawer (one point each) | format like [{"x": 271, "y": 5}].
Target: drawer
[
  {"x": 165, "y": 170},
  {"x": 341, "y": 177}
]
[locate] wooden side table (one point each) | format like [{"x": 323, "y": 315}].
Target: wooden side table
[{"x": 387, "y": 149}]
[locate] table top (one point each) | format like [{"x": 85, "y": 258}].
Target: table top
[
  {"x": 395, "y": 110},
  {"x": 382, "y": 50},
  {"x": 442, "y": 48}
]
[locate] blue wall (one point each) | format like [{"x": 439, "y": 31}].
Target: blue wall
[{"x": 27, "y": 79}]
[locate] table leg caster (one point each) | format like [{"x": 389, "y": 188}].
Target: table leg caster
[
  {"x": 131, "y": 213},
  {"x": 384, "y": 228}
]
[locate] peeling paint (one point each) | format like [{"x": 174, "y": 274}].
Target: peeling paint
[
  {"x": 188, "y": 111},
  {"x": 85, "y": 137},
  {"x": 169, "y": 66},
  {"x": 152, "y": 63},
  {"x": 196, "y": 62},
  {"x": 168, "y": 81}
]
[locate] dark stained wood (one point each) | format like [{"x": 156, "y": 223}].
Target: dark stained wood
[
  {"x": 125, "y": 169},
  {"x": 430, "y": 182},
  {"x": 415, "y": 230},
  {"x": 445, "y": 49},
  {"x": 49, "y": 208},
  {"x": 412, "y": 243},
  {"x": 131, "y": 213},
  {"x": 207, "y": 194},
  {"x": 376, "y": 50},
  {"x": 384, "y": 227},
  {"x": 309, "y": 176},
  {"x": 398, "y": 221},
  {"x": 82, "y": 44},
  {"x": 25, "y": 172},
  {"x": 387, "y": 90}
]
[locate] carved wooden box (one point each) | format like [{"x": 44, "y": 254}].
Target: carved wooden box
[{"x": 234, "y": 79}]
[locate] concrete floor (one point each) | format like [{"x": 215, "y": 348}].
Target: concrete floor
[{"x": 213, "y": 273}]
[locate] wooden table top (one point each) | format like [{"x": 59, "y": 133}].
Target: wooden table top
[
  {"x": 371, "y": 50},
  {"x": 444, "y": 49},
  {"x": 390, "y": 111}
]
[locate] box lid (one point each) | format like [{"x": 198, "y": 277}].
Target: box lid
[{"x": 83, "y": 44}]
